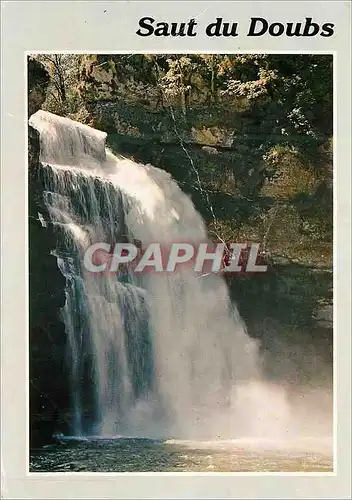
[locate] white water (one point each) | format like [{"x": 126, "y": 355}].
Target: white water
[{"x": 169, "y": 354}]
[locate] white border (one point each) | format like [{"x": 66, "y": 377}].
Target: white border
[{"x": 154, "y": 485}]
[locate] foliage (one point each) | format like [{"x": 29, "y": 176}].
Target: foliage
[{"x": 63, "y": 97}]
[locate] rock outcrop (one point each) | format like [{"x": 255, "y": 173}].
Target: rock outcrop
[{"x": 38, "y": 81}]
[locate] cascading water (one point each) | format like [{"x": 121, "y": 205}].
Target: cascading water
[{"x": 150, "y": 355}]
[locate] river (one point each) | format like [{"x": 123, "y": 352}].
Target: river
[{"x": 149, "y": 455}]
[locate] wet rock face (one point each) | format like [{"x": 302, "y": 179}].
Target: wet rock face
[
  {"x": 33, "y": 148},
  {"x": 49, "y": 391}
]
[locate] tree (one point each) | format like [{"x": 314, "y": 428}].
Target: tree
[
  {"x": 64, "y": 77},
  {"x": 176, "y": 83}
]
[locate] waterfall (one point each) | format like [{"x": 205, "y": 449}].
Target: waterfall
[{"x": 150, "y": 355}]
